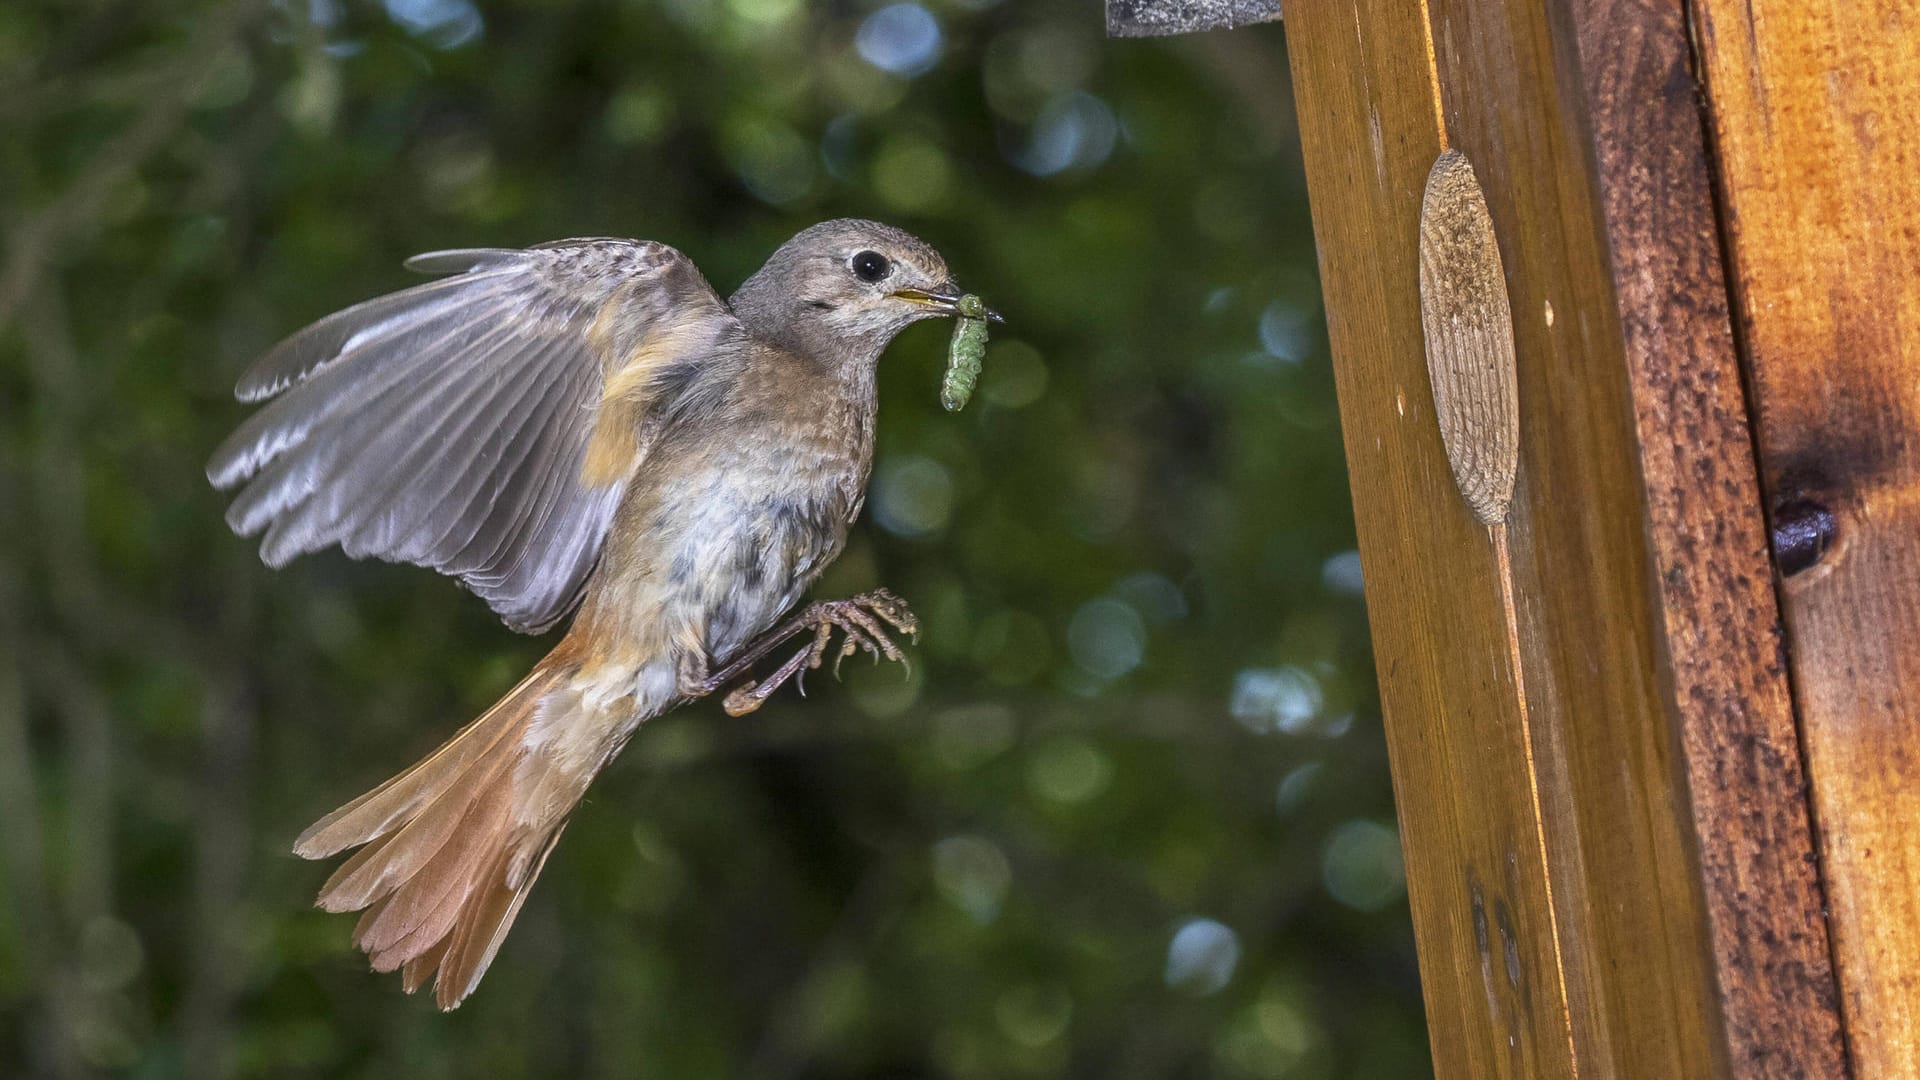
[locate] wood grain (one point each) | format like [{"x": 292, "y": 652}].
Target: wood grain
[
  {"x": 1706, "y": 534},
  {"x": 1548, "y": 838},
  {"x": 1815, "y": 110},
  {"x": 1450, "y": 685},
  {"x": 1468, "y": 327}
]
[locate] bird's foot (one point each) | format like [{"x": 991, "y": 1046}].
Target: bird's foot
[{"x": 866, "y": 624}]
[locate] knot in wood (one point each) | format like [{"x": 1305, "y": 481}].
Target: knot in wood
[{"x": 1803, "y": 530}]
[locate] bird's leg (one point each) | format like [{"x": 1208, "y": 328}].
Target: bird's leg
[
  {"x": 863, "y": 620},
  {"x": 750, "y": 695}
]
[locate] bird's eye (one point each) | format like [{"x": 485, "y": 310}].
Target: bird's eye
[{"x": 870, "y": 266}]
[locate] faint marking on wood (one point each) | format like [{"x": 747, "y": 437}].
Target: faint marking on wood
[
  {"x": 1561, "y": 1004},
  {"x": 1469, "y": 335}
]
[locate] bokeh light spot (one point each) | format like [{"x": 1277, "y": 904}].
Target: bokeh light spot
[
  {"x": 459, "y": 171},
  {"x": 1073, "y": 131},
  {"x": 1224, "y": 210},
  {"x": 1286, "y": 332},
  {"x": 1296, "y": 786},
  {"x": 912, "y": 175},
  {"x": 900, "y": 39},
  {"x": 1284, "y": 699},
  {"x": 912, "y": 496},
  {"x": 1015, "y": 375},
  {"x": 322, "y": 13},
  {"x": 966, "y": 736},
  {"x": 973, "y": 874},
  {"x": 111, "y": 954},
  {"x": 1202, "y": 956},
  {"x": 1107, "y": 638},
  {"x": 764, "y": 12},
  {"x": 840, "y": 146},
  {"x": 1068, "y": 769},
  {"x": 1034, "y": 1016},
  {"x": 1103, "y": 501},
  {"x": 228, "y": 79},
  {"x": 1056, "y": 57},
  {"x": 1272, "y": 1039},
  {"x": 880, "y": 688},
  {"x": 772, "y": 160},
  {"x": 442, "y": 24},
  {"x": 1341, "y": 574},
  {"x": 638, "y": 115},
  {"x": 1362, "y": 867},
  {"x": 1153, "y": 596}
]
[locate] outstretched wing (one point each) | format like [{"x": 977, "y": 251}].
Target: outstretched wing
[{"x": 484, "y": 425}]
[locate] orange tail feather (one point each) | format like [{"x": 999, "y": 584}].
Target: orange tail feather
[{"x": 449, "y": 848}]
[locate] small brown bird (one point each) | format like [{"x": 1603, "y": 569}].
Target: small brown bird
[{"x": 583, "y": 424}]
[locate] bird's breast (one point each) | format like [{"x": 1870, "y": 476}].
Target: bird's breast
[{"x": 715, "y": 542}]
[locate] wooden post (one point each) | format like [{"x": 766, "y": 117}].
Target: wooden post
[
  {"x": 1556, "y": 238},
  {"x": 1815, "y": 110}
]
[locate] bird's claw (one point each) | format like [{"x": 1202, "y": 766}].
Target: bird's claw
[
  {"x": 866, "y": 623},
  {"x": 862, "y": 622}
]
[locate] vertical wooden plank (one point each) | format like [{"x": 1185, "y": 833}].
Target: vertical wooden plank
[
  {"x": 1609, "y": 785},
  {"x": 1555, "y": 894},
  {"x": 1470, "y": 827},
  {"x": 1815, "y": 108},
  {"x": 1713, "y": 578}
]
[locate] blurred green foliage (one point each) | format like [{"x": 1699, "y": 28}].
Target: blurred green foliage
[{"x": 1128, "y": 817}]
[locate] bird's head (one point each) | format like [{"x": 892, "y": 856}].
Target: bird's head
[{"x": 844, "y": 288}]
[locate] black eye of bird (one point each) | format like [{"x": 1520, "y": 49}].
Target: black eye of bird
[{"x": 870, "y": 266}]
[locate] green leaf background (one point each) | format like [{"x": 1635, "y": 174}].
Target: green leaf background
[{"x": 1129, "y": 814}]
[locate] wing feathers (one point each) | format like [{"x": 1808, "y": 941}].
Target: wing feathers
[
  {"x": 344, "y": 332},
  {"x": 471, "y": 493},
  {"x": 447, "y": 424},
  {"x": 342, "y": 389},
  {"x": 396, "y": 460},
  {"x": 375, "y": 458},
  {"x": 499, "y": 500},
  {"x": 461, "y": 260}
]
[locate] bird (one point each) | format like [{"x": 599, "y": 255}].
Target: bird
[{"x": 583, "y": 428}]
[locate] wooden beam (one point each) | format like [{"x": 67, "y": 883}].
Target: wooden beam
[
  {"x": 1712, "y": 575},
  {"x": 1815, "y": 108},
  {"x": 1602, "y": 807}
]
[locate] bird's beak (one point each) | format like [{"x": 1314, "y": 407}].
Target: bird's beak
[{"x": 946, "y": 299}]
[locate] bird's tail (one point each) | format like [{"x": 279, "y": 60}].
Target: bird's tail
[{"x": 450, "y": 847}]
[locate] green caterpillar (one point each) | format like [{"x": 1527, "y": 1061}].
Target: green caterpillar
[{"x": 966, "y": 353}]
